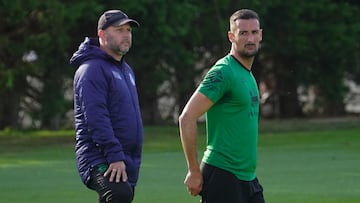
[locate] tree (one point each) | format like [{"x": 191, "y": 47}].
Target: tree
[
  {"x": 305, "y": 44},
  {"x": 312, "y": 43},
  {"x": 34, "y": 65}
]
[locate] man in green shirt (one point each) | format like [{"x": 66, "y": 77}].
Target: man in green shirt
[{"x": 229, "y": 96}]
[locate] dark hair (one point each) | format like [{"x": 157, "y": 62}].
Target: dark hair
[{"x": 244, "y": 14}]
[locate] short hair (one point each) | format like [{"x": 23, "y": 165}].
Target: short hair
[{"x": 244, "y": 14}]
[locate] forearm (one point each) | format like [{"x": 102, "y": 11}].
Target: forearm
[
  {"x": 196, "y": 106},
  {"x": 188, "y": 134}
]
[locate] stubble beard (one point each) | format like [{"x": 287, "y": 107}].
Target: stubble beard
[
  {"x": 248, "y": 54},
  {"x": 120, "y": 48}
]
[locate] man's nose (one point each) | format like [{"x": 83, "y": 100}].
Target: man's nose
[{"x": 251, "y": 37}]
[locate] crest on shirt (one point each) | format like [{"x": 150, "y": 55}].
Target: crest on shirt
[{"x": 116, "y": 75}]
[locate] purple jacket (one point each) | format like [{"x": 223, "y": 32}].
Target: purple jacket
[{"x": 108, "y": 122}]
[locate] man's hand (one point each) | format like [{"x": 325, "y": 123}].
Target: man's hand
[
  {"x": 117, "y": 171},
  {"x": 194, "y": 182}
]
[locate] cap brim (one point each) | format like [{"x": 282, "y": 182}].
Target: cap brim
[{"x": 133, "y": 23}]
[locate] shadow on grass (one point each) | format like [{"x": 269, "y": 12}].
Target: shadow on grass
[{"x": 156, "y": 138}]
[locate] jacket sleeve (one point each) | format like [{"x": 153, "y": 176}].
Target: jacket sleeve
[{"x": 93, "y": 85}]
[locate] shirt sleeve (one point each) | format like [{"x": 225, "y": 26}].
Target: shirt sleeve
[{"x": 215, "y": 83}]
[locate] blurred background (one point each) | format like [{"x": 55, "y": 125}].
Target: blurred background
[{"x": 308, "y": 66}]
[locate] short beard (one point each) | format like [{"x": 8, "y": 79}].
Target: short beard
[
  {"x": 118, "y": 50},
  {"x": 112, "y": 46},
  {"x": 247, "y": 54},
  {"x": 121, "y": 52}
]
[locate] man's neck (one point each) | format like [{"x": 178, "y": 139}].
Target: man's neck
[
  {"x": 245, "y": 61},
  {"x": 111, "y": 53}
]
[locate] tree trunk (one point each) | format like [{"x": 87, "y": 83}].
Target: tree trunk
[
  {"x": 287, "y": 90},
  {"x": 9, "y": 109}
]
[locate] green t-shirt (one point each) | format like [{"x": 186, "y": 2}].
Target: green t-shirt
[{"x": 232, "y": 122}]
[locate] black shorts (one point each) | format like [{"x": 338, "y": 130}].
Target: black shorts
[
  {"x": 109, "y": 192},
  {"x": 221, "y": 186}
]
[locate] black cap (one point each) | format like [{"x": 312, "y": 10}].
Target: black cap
[{"x": 115, "y": 18}]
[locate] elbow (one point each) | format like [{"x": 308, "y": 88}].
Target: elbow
[
  {"x": 181, "y": 118},
  {"x": 184, "y": 116},
  {"x": 186, "y": 119}
]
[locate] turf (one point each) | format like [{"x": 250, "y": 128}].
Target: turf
[
  {"x": 308, "y": 165},
  {"x": 320, "y": 167}
]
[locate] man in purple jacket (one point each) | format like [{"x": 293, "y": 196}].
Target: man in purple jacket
[{"x": 108, "y": 125}]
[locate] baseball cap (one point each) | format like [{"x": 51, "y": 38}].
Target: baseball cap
[{"x": 115, "y": 18}]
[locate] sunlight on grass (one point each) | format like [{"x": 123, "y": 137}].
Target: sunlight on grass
[
  {"x": 6, "y": 163},
  {"x": 304, "y": 166}
]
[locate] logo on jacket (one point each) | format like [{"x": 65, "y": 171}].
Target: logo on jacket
[
  {"x": 132, "y": 79},
  {"x": 116, "y": 75}
]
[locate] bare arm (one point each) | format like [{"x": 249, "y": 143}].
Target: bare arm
[{"x": 196, "y": 106}]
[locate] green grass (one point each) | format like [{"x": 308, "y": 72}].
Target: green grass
[
  {"x": 311, "y": 167},
  {"x": 299, "y": 162}
]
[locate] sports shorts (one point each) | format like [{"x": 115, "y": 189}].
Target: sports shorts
[{"x": 221, "y": 186}]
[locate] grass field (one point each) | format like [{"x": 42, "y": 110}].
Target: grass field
[{"x": 299, "y": 162}]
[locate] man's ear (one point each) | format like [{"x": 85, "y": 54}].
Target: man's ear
[
  {"x": 100, "y": 33},
  {"x": 231, "y": 36}
]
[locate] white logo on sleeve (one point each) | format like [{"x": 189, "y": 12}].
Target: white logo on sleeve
[{"x": 132, "y": 79}]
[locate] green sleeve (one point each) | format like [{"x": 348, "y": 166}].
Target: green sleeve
[{"x": 216, "y": 83}]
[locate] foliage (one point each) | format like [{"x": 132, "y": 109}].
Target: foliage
[
  {"x": 311, "y": 44},
  {"x": 164, "y": 41},
  {"x": 34, "y": 64}
]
